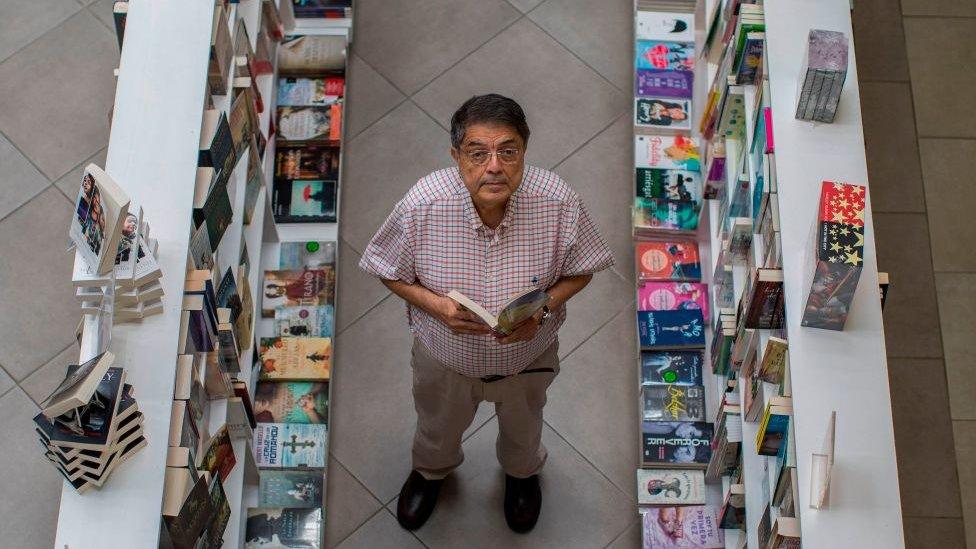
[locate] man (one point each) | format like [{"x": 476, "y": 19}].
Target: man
[{"x": 490, "y": 228}]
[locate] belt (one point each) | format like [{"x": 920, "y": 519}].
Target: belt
[{"x": 494, "y": 378}]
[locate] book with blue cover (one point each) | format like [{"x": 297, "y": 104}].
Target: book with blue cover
[
  {"x": 278, "y": 445},
  {"x": 683, "y": 328}
]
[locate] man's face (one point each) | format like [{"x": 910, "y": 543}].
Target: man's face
[{"x": 492, "y": 182}]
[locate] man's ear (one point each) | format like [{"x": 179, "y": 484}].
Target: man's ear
[{"x": 455, "y": 155}]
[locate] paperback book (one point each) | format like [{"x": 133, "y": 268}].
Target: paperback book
[
  {"x": 304, "y": 200},
  {"x": 670, "y": 487},
  {"x": 662, "y": 260},
  {"x": 302, "y": 489},
  {"x": 307, "y": 92},
  {"x": 672, "y": 367},
  {"x": 669, "y": 296},
  {"x": 671, "y": 329},
  {"x": 308, "y": 287},
  {"x": 667, "y": 152},
  {"x": 660, "y": 25},
  {"x": 653, "y": 215},
  {"x": 295, "y": 358},
  {"x": 307, "y": 162},
  {"x": 658, "y": 83},
  {"x": 656, "y": 112},
  {"x": 291, "y": 402},
  {"x": 283, "y": 527},
  {"x": 669, "y": 184},
  {"x": 307, "y": 255},
  {"x": 665, "y": 55},
  {"x": 286, "y": 445},
  {"x": 693, "y": 527},
  {"x": 674, "y": 403},
  {"x": 97, "y": 223},
  {"x": 315, "y": 321},
  {"x": 309, "y": 123},
  {"x": 676, "y": 444}
]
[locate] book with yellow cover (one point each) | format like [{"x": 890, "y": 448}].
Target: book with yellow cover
[{"x": 295, "y": 358}]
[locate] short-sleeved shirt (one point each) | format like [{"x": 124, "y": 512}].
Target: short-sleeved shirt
[{"x": 435, "y": 236}]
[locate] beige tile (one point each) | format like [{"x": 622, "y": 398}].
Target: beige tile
[
  {"x": 348, "y": 504},
  {"x": 951, "y": 8},
  {"x": 558, "y": 79},
  {"x": 370, "y": 96},
  {"x": 26, "y": 20},
  {"x": 68, "y": 183},
  {"x": 525, "y": 6},
  {"x": 39, "y": 384},
  {"x": 947, "y": 166},
  {"x": 412, "y": 42},
  {"x": 630, "y": 538},
  {"x": 19, "y": 181},
  {"x": 6, "y": 382},
  {"x": 39, "y": 282},
  {"x": 957, "y": 311},
  {"x": 104, "y": 11},
  {"x": 602, "y": 173},
  {"x": 891, "y": 147},
  {"x": 934, "y": 533},
  {"x": 57, "y": 126},
  {"x": 597, "y": 303},
  {"x": 879, "y": 42},
  {"x": 965, "y": 437},
  {"x": 31, "y": 485},
  {"x": 941, "y": 54},
  {"x": 601, "y": 42},
  {"x": 381, "y": 532},
  {"x": 606, "y": 433},
  {"x": 382, "y": 163},
  {"x": 911, "y": 319},
  {"x": 923, "y": 438},
  {"x": 358, "y": 291}
]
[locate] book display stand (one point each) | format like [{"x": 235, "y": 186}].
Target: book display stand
[{"x": 168, "y": 84}]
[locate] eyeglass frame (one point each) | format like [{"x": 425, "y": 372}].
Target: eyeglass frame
[{"x": 490, "y": 153}]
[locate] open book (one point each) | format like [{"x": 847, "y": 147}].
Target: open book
[{"x": 518, "y": 308}]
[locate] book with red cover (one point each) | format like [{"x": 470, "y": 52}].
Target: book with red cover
[{"x": 668, "y": 260}]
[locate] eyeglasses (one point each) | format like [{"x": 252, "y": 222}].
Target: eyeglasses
[{"x": 482, "y": 157}]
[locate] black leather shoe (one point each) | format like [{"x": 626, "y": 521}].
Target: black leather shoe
[
  {"x": 523, "y": 500},
  {"x": 417, "y": 500}
]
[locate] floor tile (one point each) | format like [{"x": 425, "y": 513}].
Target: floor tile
[
  {"x": 952, "y": 8},
  {"x": 45, "y": 121},
  {"x": 965, "y": 436},
  {"x": 911, "y": 319},
  {"x": 596, "y": 304},
  {"x": 558, "y": 79},
  {"x": 383, "y": 163},
  {"x": 950, "y": 199},
  {"x": 580, "y": 508},
  {"x": 879, "y": 41},
  {"x": 941, "y": 54},
  {"x": 934, "y": 533},
  {"x": 923, "y": 438},
  {"x": 374, "y": 414},
  {"x": 381, "y": 532},
  {"x": 602, "y": 174},
  {"x": 69, "y": 182},
  {"x": 892, "y": 150},
  {"x": 605, "y": 434},
  {"x": 348, "y": 505},
  {"x": 20, "y": 180},
  {"x": 26, "y": 20},
  {"x": 957, "y": 312},
  {"x": 602, "y": 42},
  {"x": 36, "y": 231},
  {"x": 104, "y": 11},
  {"x": 28, "y": 520},
  {"x": 525, "y": 6},
  {"x": 370, "y": 96},
  {"x": 6, "y": 382},
  {"x": 630, "y": 539},
  {"x": 387, "y": 35},
  {"x": 359, "y": 291},
  {"x": 45, "y": 379}
]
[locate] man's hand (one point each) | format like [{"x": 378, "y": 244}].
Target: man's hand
[
  {"x": 457, "y": 318},
  {"x": 522, "y": 332}
]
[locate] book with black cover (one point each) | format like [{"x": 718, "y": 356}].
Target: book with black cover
[
  {"x": 195, "y": 514},
  {"x": 672, "y": 367},
  {"x": 94, "y": 429},
  {"x": 676, "y": 444},
  {"x": 290, "y": 527},
  {"x": 674, "y": 403}
]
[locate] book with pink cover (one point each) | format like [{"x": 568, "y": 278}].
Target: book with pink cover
[
  {"x": 670, "y": 296},
  {"x": 694, "y": 527}
]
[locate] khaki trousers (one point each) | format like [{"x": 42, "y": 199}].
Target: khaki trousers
[{"x": 446, "y": 402}]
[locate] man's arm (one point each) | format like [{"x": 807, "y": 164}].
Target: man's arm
[
  {"x": 448, "y": 311},
  {"x": 560, "y": 292}
]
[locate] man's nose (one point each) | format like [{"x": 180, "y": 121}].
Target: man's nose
[{"x": 494, "y": 163}]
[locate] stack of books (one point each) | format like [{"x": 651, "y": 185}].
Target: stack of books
[
  {"x": 331, "y": 9},
  {"x": 91, "y": 423},
  {"x": 823, "y": 73}
]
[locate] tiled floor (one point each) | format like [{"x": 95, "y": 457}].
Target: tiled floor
[{"x": 567, "y": 62}]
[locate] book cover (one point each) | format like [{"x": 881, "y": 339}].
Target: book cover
[
  {"x": 679, "y": 443},
  {"x": 667, "y": 152},
  {"x": 694, "y": 527},
  {"x": 669, "y": 184},
  {"x": 670, "y": 487},
  {"x": 253, "y": 184},
  {"x": 217, "y": 213},
  {"x": 664, "y": 329},
  {"x": 773, "y": 361},
  {"x": 295, "y": 358},
  {"x": 288, "y": 445},
  {"x": 304, "y": 200},
  {"x": 308, "y": 53},
  {"x": 92, "y": 426},
  {"x": 221, "y": 514},
  {"x": 307, "y": 162},
  {"x": 665, "y": 55},
  {"x": 300, "y": 321},
  {"x": 660, "y": 25},
  {"x": 665, "y": 215},
  {"x": 297, "y": 287},
  {"x": 765, "y": 305},
  {"x": 294, "y": 489},
  {"x": 677, "y": 260},
  {"x": 752, "y": 57},
  {"x": 308, "y": 92},
  {"x": 307, "y": 255},
  {"x": 672, "y": 367},
  {"x": 733, "y": 514},
  {"x": 283, "y": 527},
  {"x": 658, "y": 83},
  {"x": 773, "y": 431},
  {"x": 291, "y": 402},
  {"x": 96, "y": 226},
  {"x": 656, "y": 112},
  {"x": 307, "y": 123},
  {"x": 195, "y": 514},
  {"x": 219, "y": 458},
  {"x": 674, "y": 403},
  {"x": 670, "y": 296}
]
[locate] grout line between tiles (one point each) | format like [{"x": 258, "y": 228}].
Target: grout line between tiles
[
  {"x": 102, "y": 23},
  {"x": 622, "y": 532},
  {"x": 360, "y": 317},
  {"x": 411, "y": 532},
  {"x": 42, "y": 35},
  {"x": 928, "y": 16},
  {"x": 953, "y": 137},
  {"x": 350, "y": 534},
  {"x": 35, "y": 370},
  {"x": 591, "y": 464},
  {"x": 587, "y": 338},
  {"x": 592, "y": 137},
  {"x": 27, "y": 158},
  {"x": 26, "y": 202},
  {"x": 945, "y": 271},
  {"x": 4, "y": 393},
  {"x": 368, "y": 491}
]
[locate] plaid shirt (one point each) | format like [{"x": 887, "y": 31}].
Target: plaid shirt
[{"x": 435, "y": 236}]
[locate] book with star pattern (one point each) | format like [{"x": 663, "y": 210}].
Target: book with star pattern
[{"x": 839, "y": 255}]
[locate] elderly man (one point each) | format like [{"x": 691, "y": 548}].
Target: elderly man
[{"x": 490, "y": 228}]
